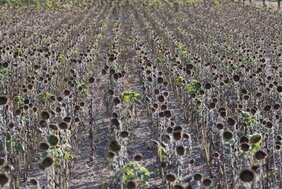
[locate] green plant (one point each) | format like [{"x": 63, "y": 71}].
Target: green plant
[
  {"x": 180, "y": 80},
  {"x": 44, "y": 96},
  {"x": 59, "y": 153},
  {"x": 256, "y": 142},
  {"x": 134, "y": 171},
  {"x": 183, "y": 54},
  {"x": 194, "y": 87},
  {"x": 19, "y": 100},
  {"x": 129, "y": 97},
  {"x": 162, "y": 153},
  {"x": 4, "y": 71},
  {"x": 181, "y": 48},
  {"x": 180, "y": 45},
  {"x": 248, "y": 119},
  {"x": 63, "y": 58}
]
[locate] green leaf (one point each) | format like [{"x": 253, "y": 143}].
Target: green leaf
[
  {"x": 194, "y": 87},
  {"x": 248, "y": 119},
  {"x": 134, "y": 171},
  {"x": 162, "y": 153},
  {"x": 183, "y": 54},
  {"x": 4, "y": 71},
  {"x": 44, "y": 96},
  {"x": 180, "y": 80},
  {"x": 131, "y": 97},
  {"x": 145, "y": 171},
  {"x": 57, "y": 162},
  {"x": 19, "y": 100},
  {"x": 48, "y": 94},
  {"x": 66, "y": 156}
]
